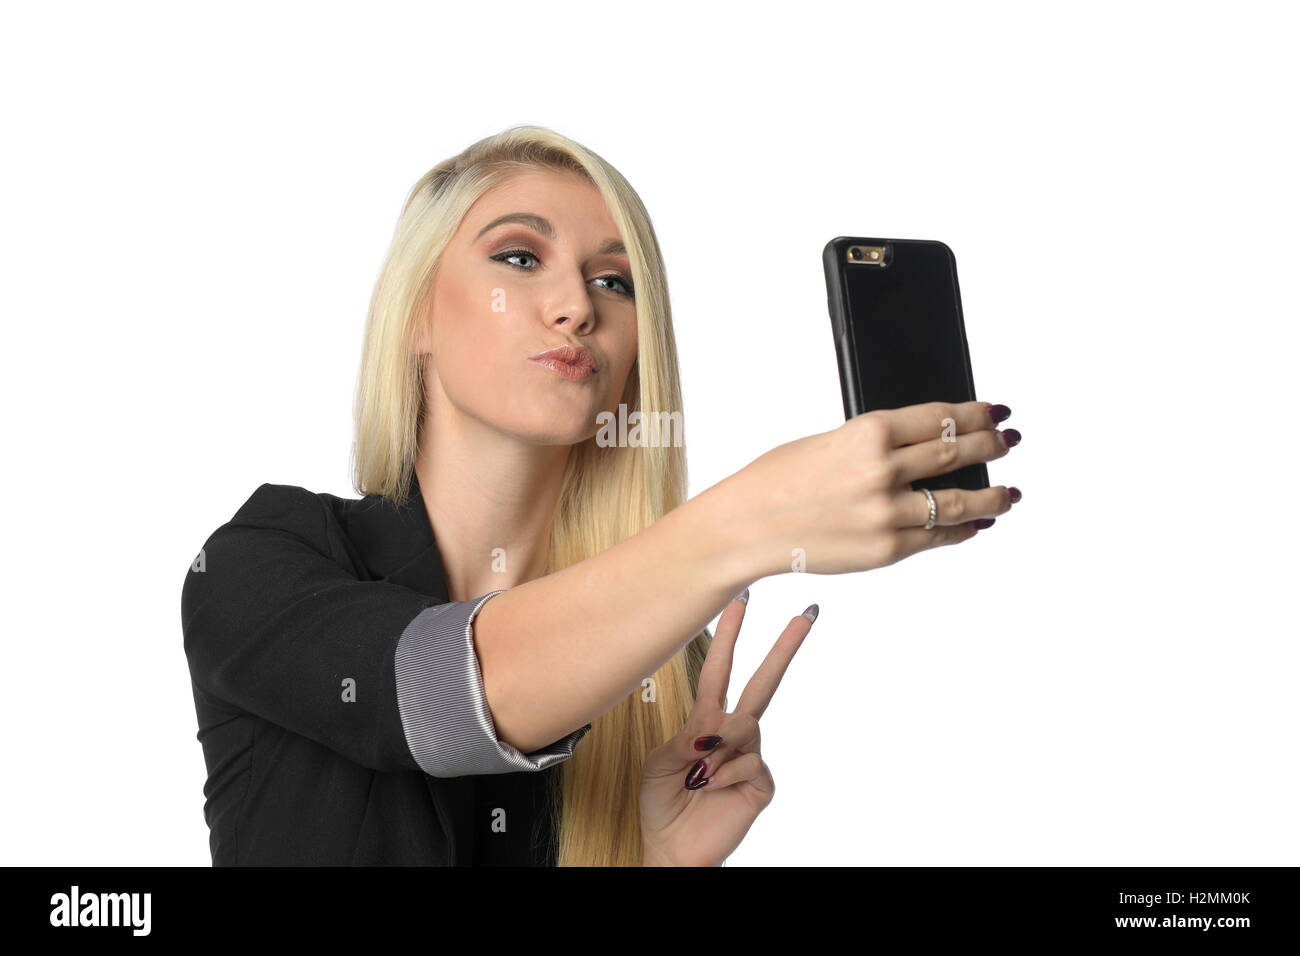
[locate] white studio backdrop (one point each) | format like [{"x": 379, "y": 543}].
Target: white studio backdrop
[{"x": 196, "y": 202}]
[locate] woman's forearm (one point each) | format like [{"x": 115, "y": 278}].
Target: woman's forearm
[{"x": 558, "y": 651}]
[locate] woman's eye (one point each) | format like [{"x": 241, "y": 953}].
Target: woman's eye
[
  {"x": 627, "y": 286},
  {"x": 514, "y": 254}
]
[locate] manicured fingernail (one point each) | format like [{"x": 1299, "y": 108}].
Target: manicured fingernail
[
  {"x": 695, "y": 779},
  {"x": 812, "y": 612},
  {"x": 742, "y": 597},
  {"x": 999, "y": 413},
  {"x": 982, "y": 523},
  {"x": 1010, "y": 437},
  {"x": 707, "y": 743},
  {"x": 1014, "y": 492}
]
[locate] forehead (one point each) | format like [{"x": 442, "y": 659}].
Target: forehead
[{"x": 564, "y": 197}]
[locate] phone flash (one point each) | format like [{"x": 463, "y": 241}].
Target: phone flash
[{"x": 867, "y": 255}]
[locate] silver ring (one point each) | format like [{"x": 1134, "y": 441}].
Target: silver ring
[{"x": 934, "y": 509}]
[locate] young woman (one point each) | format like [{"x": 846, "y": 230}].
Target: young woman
[{"x": 498, "y": 655}]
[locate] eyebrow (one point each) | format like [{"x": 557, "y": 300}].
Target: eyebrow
[{"x": 612, "y": 247}]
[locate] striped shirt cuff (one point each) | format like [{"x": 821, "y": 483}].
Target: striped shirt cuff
[{"x": 440, "y": 697}]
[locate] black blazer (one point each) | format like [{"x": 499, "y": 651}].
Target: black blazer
[{"x": 339, "y": 701}]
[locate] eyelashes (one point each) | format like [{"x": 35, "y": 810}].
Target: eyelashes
[{"x": 630, "y": 290}]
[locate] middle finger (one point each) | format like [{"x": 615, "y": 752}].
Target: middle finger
[
  {"x": 758, "y": 692},
  {"x": 938, "y": 456}
]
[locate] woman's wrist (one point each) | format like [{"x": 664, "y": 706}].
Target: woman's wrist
[{"x": 742, "y": 548}]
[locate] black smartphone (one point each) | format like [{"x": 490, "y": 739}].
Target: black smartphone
[{"x": 899, "y": 334}]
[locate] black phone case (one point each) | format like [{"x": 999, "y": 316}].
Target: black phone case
[{"x": 852, "y": 290}]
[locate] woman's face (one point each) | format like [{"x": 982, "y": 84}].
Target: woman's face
[{"x": 505, "y": 291}]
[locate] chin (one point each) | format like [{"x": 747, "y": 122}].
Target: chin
[{"x": 559, "y": 430}]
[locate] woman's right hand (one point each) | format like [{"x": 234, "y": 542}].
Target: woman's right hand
[{"x": 840, "y": 501}]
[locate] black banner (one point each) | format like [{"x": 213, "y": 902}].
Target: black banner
[{"x": 1231, "y": 907}]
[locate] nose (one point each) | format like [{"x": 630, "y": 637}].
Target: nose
[{"x": 570, "y": 309}]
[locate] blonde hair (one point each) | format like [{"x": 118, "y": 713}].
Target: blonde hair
[{"x": 608, "y": 494}]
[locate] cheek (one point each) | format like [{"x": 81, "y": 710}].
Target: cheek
[
  {"x": 471, "y": 345},
  {"x": 623, "y": 380}
]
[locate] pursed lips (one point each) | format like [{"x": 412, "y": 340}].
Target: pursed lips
[
  {"x": 568, "y": 361},
  {"x": 570, "y": 355}
]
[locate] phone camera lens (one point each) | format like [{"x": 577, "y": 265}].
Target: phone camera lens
[{"x": 855, "y": 253}]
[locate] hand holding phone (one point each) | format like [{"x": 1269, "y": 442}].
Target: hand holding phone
[
  {"x": 845, "y": 500},
  {"x": 900, "y": 338}
]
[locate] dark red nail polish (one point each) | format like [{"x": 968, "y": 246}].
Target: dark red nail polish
[
  {"x": 982, "y": 523},
  {"x": 695, "y": 779},
  {"x": 1014, "y": 492},
  {"x": 999, "y": 413},
  {"x": 1011, "y": 437},
  {"x": 707, "y": 743}
]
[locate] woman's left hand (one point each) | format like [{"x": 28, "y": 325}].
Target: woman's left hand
[{"x": 681, "y": 826}]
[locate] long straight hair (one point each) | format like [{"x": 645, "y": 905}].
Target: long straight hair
[{"x": 608, "y": 493}]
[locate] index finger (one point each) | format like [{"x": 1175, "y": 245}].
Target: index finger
[
  {"x": 758, "y": 692},
  {"x": 929, "y": 420}
]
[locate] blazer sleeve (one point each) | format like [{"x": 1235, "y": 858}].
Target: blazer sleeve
[{"x": 274, "y": 626}]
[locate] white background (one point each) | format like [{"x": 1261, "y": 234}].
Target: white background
[{"x": 196, "y": 201}]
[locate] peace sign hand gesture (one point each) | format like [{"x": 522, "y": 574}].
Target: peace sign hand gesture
[{"x": 702, "y": 790}]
